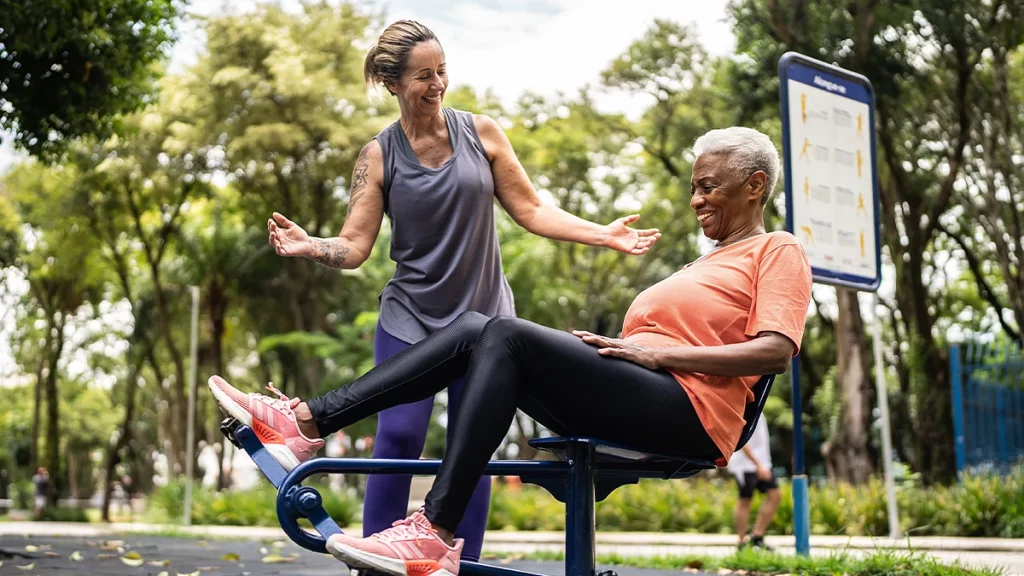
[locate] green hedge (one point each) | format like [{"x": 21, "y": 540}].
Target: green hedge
[
  {"x": 988, "y": 506},
  {"x": 256, "y": 507}
]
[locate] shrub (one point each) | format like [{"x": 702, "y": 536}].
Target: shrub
[
  {"x": 256, "y": 507},
  {"x": 980, "y": 505}
]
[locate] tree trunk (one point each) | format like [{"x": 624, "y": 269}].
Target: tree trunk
[
  {"x": 848, "y": 453},
  {"x": 53, "y": 410},
  {"x": 936, "y": 458},
  {"x": 37, "y": 406},
  {"x": 114, "y": 452},
  {"x": 74, "y": 470},
  {"x": 217, "y": 306}
]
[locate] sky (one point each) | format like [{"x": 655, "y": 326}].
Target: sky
[{"x": 513, "y": 46}]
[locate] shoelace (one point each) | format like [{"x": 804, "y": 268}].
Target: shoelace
[
  {"x": 282, "y": 403},
  {"x": 402, "y": 530}
]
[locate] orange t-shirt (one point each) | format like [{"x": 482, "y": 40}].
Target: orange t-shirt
[{"x": 761, "y": 284}]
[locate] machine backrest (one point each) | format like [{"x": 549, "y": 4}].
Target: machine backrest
[{"x": 752, "y": 413}]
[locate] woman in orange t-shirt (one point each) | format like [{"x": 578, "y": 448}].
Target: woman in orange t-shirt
[{"x": 676, "y": 383}]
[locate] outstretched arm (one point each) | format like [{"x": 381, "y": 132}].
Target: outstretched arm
[
  {"x": 352, "y": 246},
  {"x": 517, "y": 196}
]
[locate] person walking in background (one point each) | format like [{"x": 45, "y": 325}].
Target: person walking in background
[
  {"x": 41, "y": 480},
  {"x": 752, "y": 467}
]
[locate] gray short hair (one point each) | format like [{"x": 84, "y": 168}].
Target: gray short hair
[{"x": 748, "y": 151}]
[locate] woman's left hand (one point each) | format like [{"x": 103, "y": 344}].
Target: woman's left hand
[
  {"x": 617, "y": 348},
  {"x": 631, "y": 241}
]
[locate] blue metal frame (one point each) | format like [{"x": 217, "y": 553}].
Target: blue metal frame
[
  {"x": 586, "y": 472},
  {"x": 987, "y": 395},
  {"x": 956, "y": 372},
  {"x": 790, "y": 63}
]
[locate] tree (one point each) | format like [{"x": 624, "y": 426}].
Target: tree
[
  {"x": 61, "y": 276},
  {"x": 280, "y": 100},
  {"x": 986, "y": 224},
  {"x": 921, "y": 57},
  {"x": 69, "y": 69}
]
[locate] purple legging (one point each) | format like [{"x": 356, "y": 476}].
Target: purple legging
[{"x": 401, "y": 433}]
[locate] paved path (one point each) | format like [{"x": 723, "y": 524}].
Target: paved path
[
  {"x": 185, "y": 556},
  {"x": 993, "y": 552}
]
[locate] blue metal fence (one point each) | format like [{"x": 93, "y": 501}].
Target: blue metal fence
[{"x": 988, "y": 406}]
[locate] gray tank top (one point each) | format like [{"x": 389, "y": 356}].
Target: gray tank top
[{"x": 443, "y": 237}]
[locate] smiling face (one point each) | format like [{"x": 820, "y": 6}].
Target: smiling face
[
  {"x": 422, "y": 85},
  {"x": 727, "y": 204}
]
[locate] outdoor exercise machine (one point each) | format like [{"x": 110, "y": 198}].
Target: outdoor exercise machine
[{"x": 586, "y": 471}]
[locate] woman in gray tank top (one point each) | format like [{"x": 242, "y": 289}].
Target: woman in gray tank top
[{"x": 435, "y": 173}]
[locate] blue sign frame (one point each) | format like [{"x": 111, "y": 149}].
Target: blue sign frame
[{"x": 800, "y": 68}]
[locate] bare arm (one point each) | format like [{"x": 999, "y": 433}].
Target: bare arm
[
  {"x": 517, "y": 196},
  {"x": 365, "y": 211},
  {"x": 769, "y": 353},
  {"x": 750, "y": 454}
]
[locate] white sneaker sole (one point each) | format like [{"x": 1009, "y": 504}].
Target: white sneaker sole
[
  {"x": 361, "y": 559},
  {"x": 280, "y": 452}
]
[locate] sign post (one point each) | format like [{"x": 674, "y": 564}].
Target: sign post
[{"x": 832, "y": 207}]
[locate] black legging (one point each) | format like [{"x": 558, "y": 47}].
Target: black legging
[{"x": 509, "y": 363}]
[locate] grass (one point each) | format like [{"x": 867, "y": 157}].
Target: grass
[{"x": 755, "y": 562}]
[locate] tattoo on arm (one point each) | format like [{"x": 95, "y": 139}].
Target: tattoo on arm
[
  {"x": 330, "y": 252},
  {"x": 359, "y": 177}
]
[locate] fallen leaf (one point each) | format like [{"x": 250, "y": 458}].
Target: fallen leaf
[
  {"x": 230, "y": 557},
  {"x": 277, "y": 559},
  {"x": 133, "y": 559},
  {"x": 264, "y": 551},
  {"x": 51, "y": 554},
  {"x": 111, "y": 544},
  {"x": 201, "y": 568},
  {"x": 159, "y": 563},
  {"x": 76, "y": 556},
  {"x": 164, "y": 573},
  {"x": 27, "y": 566},
  {"x": 31, "y": 548},
  {"x": 196, "y": 573}
]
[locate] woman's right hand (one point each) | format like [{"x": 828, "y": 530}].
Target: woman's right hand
[{"x": 288, "y": 238}]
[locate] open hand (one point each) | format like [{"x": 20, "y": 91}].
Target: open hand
[
  {"x": 618, "y": 348},
  {"x": 629, "y": 240},
  {"x": 287, "y": 238}
]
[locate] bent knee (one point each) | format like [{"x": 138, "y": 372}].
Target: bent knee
[
  {"x": 471, "y": 321},
  {"x": 504, "y": 327}
]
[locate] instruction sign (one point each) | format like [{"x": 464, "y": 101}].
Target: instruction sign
[{"x": 830, "y": 170}]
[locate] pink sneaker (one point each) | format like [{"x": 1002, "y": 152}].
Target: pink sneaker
[
  {"x": 409, "y": 548},
  {"x": 272, "y": 419}
]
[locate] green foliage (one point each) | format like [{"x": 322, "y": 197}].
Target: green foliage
[
  {"x": 59, "y": 514},
  {"x": 754, "y": 561},
  {"x": 981, "y": 506},
  {"x": 255, "y": 507},
  {"x": 68, "y": 69}
]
